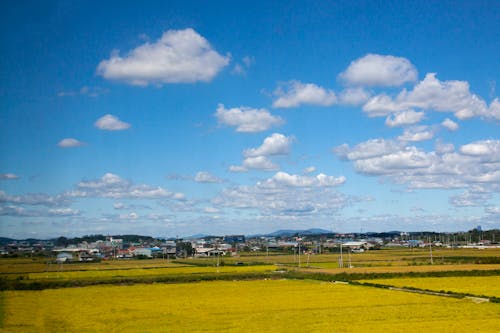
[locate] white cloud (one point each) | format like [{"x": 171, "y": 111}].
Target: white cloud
[
  {"x": 35, "y": 199},
  {"x": 238, "y": 70},
  {"x": 285, "y": 179},
  {"x": 259, "y": 163},
  {"x": 63, "y": 212},
  {"x": 449, "y": 124},
  {"x": 444, "y": 148},
  {"x": 470, "y": 199},
  {"x": 435, "y": 95},
  {"x": 246, "y": 119},
  {"x": 277, "y": 198},
  {"x": 354, "y": 96},
  {"x": 477, "y": 164},
  {"x": 206, "y": 177},
  {"x": 178, "y": 56},
  {"x": 275, "y": 144},
  {"x": 69, "y": 143},
  {"x": 211, "y": 210},
  {"x": 417, "y": 133},
  {"x": 294, "y": 93},
  {"x": 248, "y": 61},
  {"x": 408, "y": 159},
  {"x": 379, "y": 70},
  {"x": 237, "y": 168},
  {"x": 486, "y": 149},
  {"x": 84, "y": 91},
  {"x": 404, "y": 118},
  {"x": 115, "y": 187},
  {"x": 111, "y": 123},
  {"x": 241, "y": 69},
  {"x": 8, "y": 176},
  {"x": 368, "y": 149},
  {"x": 309, "y": 170}
]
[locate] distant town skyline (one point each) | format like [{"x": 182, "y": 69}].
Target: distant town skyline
[{"x": 187, "y": 117}]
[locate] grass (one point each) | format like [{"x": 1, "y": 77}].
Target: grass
[{"x": 241, "y": 306}]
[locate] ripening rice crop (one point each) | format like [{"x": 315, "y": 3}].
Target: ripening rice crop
[
  {"x": 242, "y": 306},
  {"x": 70, "y": 275},
  {"x": 475, "y": 285}
]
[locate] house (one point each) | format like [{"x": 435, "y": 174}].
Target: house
[
  {"x": 143, "y": 251},
  {"x": 64, "y": 257}
]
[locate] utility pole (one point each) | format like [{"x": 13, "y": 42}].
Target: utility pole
[
  {"x": 299, "y": 252},
  {"x": 349, "y": 252},
  {"x": 430, "y": 250},
  {"x": 341, "y": 261}
]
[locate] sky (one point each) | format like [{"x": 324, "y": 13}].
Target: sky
[{"x": 174, "y": 118}]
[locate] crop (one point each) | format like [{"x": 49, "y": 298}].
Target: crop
[
  {"x": 476, "y": 285},
  {"x": 241, "y": 306},
  {"x": 73, "y": 275}
]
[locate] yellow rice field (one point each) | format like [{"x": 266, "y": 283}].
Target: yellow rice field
[
  {"x": 476, "y": 285},
  {"x": 241, "y": 306},
  {"x": 406, "y": 269},
  {"x": 73, "y": 275}
]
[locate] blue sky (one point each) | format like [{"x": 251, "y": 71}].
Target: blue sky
[{"x": 225, "y": 117}]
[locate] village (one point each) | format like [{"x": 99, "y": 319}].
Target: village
[{"x": 100, "y": 247}]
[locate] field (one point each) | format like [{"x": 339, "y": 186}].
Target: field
[
  {"x": 246, "y": 294},
  {"x": 476, "y": 285},
  {"x": 241, "y": 306}
]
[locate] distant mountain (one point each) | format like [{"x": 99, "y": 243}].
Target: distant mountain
[
  {"x": 196, "y": 236},
  {"x": 5, "y": 240},
  {"x": 289, "y": 232}
]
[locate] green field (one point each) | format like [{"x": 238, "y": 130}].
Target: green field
[{"x": 241, "y": 306}]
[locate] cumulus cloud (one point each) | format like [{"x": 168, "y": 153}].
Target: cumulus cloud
[
  {"x": 285, "y": 195},
  {"x": 84, "y": 91},
  {"x": 111, "y": 123},
  {"x": 207, "y": 177},
  {"x": 449, "y": 124},
  {"x": 285, "y": 179},
  {"x": 433, "y": 94},
  {"x": 354, "y": 96},
  {"x": 295, "y": 93},
  {"x": 35, "y": 199},
  {"x": 444, "y": 148},
  {"x": 247, "y": 120},
  {"x": 115, "y": 187},
  {"x": 258, "y": 158},
  {"x": 237, "y": 168},
  {"x": 417, "y": 133},
  {"x": 368, "y": 149},
  {"x": 8, "y": 176},
  {"x": 404, "y": 118},
  {"x": 309, "y": 170},
  {"x": 179, "y": 56},
  {"x": 241, "y": 69},
  {"x": 63, "y": 212},
  {"x": 476, "y": 164},
  {"x": 276, "y": 144},
  {"x": 70, "y": 143},
  {"x": 470, "y": 199},
  {"x": 259, "y": 163},
  {"x": 379, "y": 70}
]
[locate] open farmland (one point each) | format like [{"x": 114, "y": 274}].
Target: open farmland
[
  {"x": 69, "y": 275},
  {"x": 241, "y": 306},
  {"x": 475, "y": 285}
]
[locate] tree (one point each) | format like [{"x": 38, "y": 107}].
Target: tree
[{"x": 184, "y": 249}]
